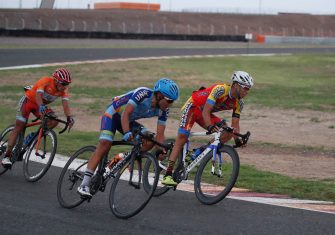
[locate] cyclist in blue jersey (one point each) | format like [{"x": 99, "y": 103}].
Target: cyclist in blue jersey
[{"x": 121, "y": 115}]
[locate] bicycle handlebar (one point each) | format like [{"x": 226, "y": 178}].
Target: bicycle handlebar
[
  {"x": 150, "y": 137},
  {"x": 56, "y": 119}
]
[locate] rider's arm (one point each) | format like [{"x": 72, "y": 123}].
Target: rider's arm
[
  {"x": 160, "y": 133},
  {"x": 206, "y": 114},
  {"x": 66, "y": 107},
  {"x": 235, "y": 123},
  {"x": 129, "y": 109},
  {"x": 39, "y": 100}
]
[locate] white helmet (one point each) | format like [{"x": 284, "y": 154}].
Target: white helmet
[{"x": 243, "y": 79}]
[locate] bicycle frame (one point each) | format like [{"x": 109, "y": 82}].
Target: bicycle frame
[
  {"x": 213, "y": 146},
  {"x": 38, "y": 134},
  {"x": 118, "y": 165}
]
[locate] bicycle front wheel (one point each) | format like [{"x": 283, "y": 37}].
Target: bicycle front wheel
[
  {"x": 216, "y": 175},
  {"x": 127, "y": 196},
  {"x": 37, "y": 162},
  {"x": 71, "y": 177}
]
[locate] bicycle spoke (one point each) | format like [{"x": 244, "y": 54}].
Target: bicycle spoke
[
  {"x": 216, "y": 176},
  {"x": 127, "y": 195},
  {"x": 71, "y": 178},
  {"x": 37, "y": 162}
]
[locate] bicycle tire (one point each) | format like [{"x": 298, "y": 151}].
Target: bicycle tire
[
  {"x": 34, "y": 166},
  {"x": 3, "y": 145},
  {"x": 209, "y": 187},
  {"x": 71, "y": 178},
  {"x": 148, "y": 172},
  {"x": 125, "y": 200}
]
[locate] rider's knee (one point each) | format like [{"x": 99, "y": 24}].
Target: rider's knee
[{"x": 181, "y": 139}]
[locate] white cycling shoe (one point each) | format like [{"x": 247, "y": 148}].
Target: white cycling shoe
[
  {"x": 84, "y": 191},
  {"x": 6, "y": 162}
]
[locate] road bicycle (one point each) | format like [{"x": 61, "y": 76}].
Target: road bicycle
[
  {"x": 127, "y": 196},
  {"x": 217, "y": 167},
  {"x": 38, "y": 153}
]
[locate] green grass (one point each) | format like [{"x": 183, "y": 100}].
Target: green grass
[
  {"x": 268, "y": 182},
  {"x": 299, "y": 82}
]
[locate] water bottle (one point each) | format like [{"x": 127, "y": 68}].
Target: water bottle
[
  {"x": 116, "y": 159},
  {"x": 28, "y": 138},
  {"x": 198, "y": 151}
]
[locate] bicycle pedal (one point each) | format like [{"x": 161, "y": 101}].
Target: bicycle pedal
[
  {"x": 7, "y": 167},
  {"x": 88, "y": 198}
]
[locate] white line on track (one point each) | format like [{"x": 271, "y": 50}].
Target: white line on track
[{"x": 131, "y": 59}]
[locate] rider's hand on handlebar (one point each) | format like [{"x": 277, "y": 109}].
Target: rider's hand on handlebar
[
  {"x": 127, "y": 136},
  {"x": 42, "y": 109},
  {"x": 239, "y": 143},
  {"x": 213, "y": 128},
  {"x": 70, "y": 121}
]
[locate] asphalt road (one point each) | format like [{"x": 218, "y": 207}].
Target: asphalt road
[
  {"x": 18, "y": 57},
  {"x": 32, "y": 208}
]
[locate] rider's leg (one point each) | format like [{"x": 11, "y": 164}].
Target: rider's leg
[
  {"x": 19, "y": 126},
  {"x": 108, "y": 128},
  {"x": 23, "y": 111},
  {"x": 102, "y": 150},
  {"x": 178, "y": 146},
  {"x": 189, "y": 114}
]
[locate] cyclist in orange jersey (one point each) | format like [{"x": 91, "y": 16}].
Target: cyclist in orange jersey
[
  {"x": 36, "y": 97},
  {"x": 200, "y": 107}
]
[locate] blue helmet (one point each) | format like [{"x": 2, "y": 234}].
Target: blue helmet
[{"x": 168, "y": 88}]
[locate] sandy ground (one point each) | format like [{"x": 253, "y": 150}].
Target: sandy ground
[{"x": 298, "y": 130}]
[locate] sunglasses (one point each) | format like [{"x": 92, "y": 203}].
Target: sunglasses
[
  {"x": 64, "y": 83},
  {"x": 245, "y": 87},
  {"x": 170, "y": 101}
]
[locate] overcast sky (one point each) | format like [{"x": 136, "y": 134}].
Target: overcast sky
[{"x": 251, "y": 6}]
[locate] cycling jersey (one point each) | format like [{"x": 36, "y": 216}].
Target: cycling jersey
[
  {"x": 27, "y": 104},
  {"x": 218, "y": 96},
  {"x": 140, "y": 99},
  {"x": 47, "y": 87}
]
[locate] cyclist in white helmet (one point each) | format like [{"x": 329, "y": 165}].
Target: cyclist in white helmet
[{"x": 199, "y": 108}]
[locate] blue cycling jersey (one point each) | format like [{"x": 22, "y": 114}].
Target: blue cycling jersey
[{"x": 140, "y": 99}]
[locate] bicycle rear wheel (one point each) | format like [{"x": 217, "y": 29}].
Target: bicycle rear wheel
[
  {"x": 71, "y": 177},
  {"x": 36, "y": 164},
  {"x": 127, "y": 196},
  {"x": 216, "y": 177},
  {"x": 3, "y": 145}
]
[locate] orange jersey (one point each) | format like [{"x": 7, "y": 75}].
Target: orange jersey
[{"x": 47, "y": 87}]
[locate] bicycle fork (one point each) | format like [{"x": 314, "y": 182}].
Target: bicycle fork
[
  {"x": 217, "y": 156},
  {"x": 39, "y": 136},
  {"x": 131, "y": 171}
]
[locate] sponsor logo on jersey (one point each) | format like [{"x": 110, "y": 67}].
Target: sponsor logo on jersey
[
  {"x": 218, "y": 91},
  {"x": 185, "y": 115},
  {"x": 140, "y": 94}
]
